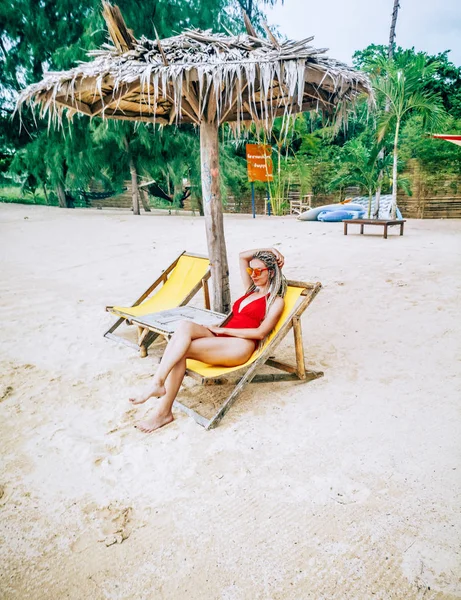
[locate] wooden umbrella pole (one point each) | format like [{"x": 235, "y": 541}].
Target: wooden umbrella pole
[{"x": 209, "y": 154}]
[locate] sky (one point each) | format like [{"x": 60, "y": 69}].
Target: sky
[{"x": 345, "y": 26}]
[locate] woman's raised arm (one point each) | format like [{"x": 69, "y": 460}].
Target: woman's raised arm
[{"x": 245, "y": 258}]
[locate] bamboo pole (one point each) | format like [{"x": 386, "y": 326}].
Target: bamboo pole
[{"x": 209, "y": 154}]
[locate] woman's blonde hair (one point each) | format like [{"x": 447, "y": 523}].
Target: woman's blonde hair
[{"x": 278, "y": 283}]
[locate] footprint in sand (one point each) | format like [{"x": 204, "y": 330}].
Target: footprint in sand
[
  {"x": 105, "y": 454},
  {"x": 6, "y": 392},
  {"x": 126, "y": 422},
  {"x": 78, "y": 448},
  {"x": 116, "y": 524}
]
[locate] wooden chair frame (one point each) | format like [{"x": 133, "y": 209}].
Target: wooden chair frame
[
  {"x": 296, "y": 372},
  {"x": 145, "y": 336},
  {"x": 299, "y": 206}
]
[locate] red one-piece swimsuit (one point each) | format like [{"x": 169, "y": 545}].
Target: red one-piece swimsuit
[{"x": 250, "y": 317}]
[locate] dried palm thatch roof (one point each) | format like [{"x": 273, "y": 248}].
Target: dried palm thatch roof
[{"x": 197, "y": 76}]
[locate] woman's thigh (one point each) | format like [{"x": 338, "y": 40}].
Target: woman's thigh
[
  {"x": 228, "y": 352},
  {"x": 194, "y": 330}
]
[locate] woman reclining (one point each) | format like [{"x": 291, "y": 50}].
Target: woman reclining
[{"x": 254, "y": 316}]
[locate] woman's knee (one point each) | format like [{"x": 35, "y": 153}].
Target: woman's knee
[
  {"x": 192, "y": 330},
  {"x": 184, "y": 328}
]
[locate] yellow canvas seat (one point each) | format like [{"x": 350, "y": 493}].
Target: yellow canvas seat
[
  {"x": 298, "y": 297},
  {"x": 181, "y": 282}
]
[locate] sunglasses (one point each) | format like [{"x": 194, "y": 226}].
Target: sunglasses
[{"x": 255, "y": 272}]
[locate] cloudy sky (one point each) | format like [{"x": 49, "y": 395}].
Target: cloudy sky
[{"x": 345, "y": 26}]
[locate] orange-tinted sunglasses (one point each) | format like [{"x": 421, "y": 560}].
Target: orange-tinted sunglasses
[{"x": 255, "y": 272}]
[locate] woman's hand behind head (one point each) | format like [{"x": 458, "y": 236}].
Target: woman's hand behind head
[{"x": 278, "y": 257}]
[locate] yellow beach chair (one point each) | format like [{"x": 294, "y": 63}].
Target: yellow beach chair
[
  {"x": 299, "y": 296},
  {"x": 181, "y": 281}
]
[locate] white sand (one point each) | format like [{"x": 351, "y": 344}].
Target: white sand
[{"x": 343, "y": 488}]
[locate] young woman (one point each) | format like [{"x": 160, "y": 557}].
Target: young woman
[{"x": 254, "y": 315}]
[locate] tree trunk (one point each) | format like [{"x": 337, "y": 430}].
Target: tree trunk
[
  {"x": 395, "y": 10},
  {"x": 45, "y": 192},
  {"x": 394, "y": 172},
  {"x": 144, "y": 199},
  {"x": 390, "y": 54},
  {"x": 134, "y": 178},
  {"x": 61, "y": 193},
  {"x": 370, "y": 200},
  {"x": 177, "y": 192},
  {"x": 134, "y": 187},
  {"x": 168, "y": 187},
  {"x": 378, "y": 189},
  {"x": 209, "y": 154}
]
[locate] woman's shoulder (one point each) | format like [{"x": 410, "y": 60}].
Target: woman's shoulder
[{"x": 279, "y": 302}]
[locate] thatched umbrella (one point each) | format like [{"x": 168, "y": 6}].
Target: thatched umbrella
[{"x": 205, "y": 79}]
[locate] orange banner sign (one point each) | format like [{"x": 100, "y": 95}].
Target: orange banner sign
[{"x": 259, "y": 162}]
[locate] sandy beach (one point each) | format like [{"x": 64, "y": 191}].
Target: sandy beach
[{"x": 347, "y": 487}]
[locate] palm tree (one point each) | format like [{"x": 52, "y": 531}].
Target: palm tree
[
  {"x": 400, "y": 83},
  {"x": 390, "y": 54}
]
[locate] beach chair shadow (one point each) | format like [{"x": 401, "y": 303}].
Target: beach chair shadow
[
  {"x": 181, "y": 281},
  {"x": 299, "y": 296}
]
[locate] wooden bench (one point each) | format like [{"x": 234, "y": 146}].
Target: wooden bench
[{"x": 383, "y": 222}]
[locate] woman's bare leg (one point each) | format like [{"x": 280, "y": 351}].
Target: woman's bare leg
[
  {"x": 162, "y": 413},
  {"x": 226, "y": 351},
  {"x": 175, "y": 351},
  {"x": 178, "y": 347}
]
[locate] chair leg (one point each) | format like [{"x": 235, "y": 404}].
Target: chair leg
[
  {"x": 206, "y": 293},
  {"x": 299, "y": 350},
  {"x": 213, "y": 422},
  {"x": 114, "y": 326},
  {"x": 117, "y": 338},
  {"x": 120, "y": 340},
  {"x": 145, "y": 340},
  {"x": 198, "y": 418}
]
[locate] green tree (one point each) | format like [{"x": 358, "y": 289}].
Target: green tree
[
  {"x": 400, "y": 86},
  {"x": 72, "y": 28},
  {"x": 444, "y": 79}
]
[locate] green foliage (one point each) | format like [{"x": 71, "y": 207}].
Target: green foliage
[
  {"x": 360, "y": 165},
  {"x": 310, "y": 154},
  {"x": 234, "y": 179},
  {"x": 401, "y": 88},
  {"x": 432, "y": 154},
  {"x": 50, "y": 35},
  {"x": 18, "y": 195},
  {"x": 444, "y": 79}
]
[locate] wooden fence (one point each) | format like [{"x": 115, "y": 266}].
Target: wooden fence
[{"x": 435, "y": 196}]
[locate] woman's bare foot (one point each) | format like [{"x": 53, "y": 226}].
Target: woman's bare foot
[
  {"x": 153, "y": 390},
  {"x": 155, "y": 422}
]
